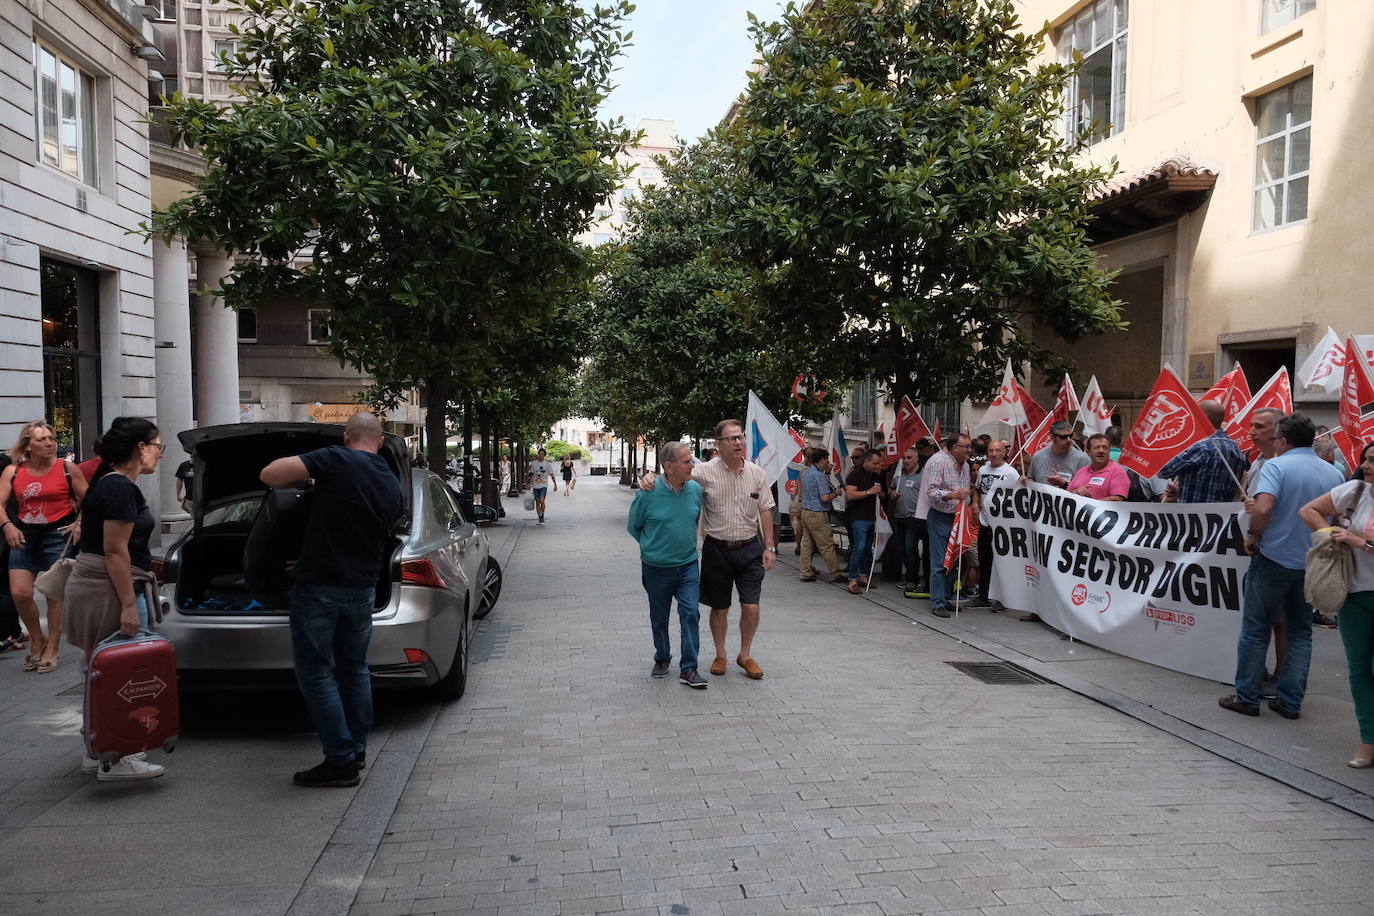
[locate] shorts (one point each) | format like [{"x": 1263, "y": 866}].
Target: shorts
[
  {"x": 39, "y": 552},
  {"x": 540, "y": 492},
  {"x": 724, "y": 570}
]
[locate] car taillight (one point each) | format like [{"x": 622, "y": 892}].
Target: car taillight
[
  {"x": 417, "y": 656},
  {"x": 421, "y": 572}
]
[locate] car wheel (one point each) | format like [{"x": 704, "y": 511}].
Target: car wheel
[
  {"x": 491, "y": 589},
  {"x": 452, "y": 685}
]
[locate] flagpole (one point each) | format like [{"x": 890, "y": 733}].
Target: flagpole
[{"x": 1222, "y": 455}]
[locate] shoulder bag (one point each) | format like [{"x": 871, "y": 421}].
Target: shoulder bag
[{"x": 1330, "y": 565}]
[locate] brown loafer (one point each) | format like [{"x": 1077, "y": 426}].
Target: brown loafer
[
  {"x": 718, "y": 666},
  {"x": 855, "y": 588},
  {"x": 750, "y": 667}
]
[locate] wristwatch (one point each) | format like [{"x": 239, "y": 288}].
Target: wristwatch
[
  {"x": 1368, "y": 545},
  {"x": 772, "y": 548}
]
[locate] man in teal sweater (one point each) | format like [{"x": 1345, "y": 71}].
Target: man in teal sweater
[{"x": 664, "y": 522}]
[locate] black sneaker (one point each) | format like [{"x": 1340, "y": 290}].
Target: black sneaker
[
  {"x": 1321, "y": 620},
  {"x": 692, "y": 679},
  {"x": 329, "y": 775},
  {"x": 360, "y": 761},
  {"x": 940, "y": 612},
  {"x": 1283, "y": 710},
  {"x": 660, "y": 670}
]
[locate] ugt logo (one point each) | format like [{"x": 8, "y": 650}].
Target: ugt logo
[
  {"x": 1164, "y": 421},
  {"x": 1079, "y": 594}
]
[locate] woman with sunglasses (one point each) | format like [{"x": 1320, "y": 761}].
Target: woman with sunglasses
[
  {"x": 1352, "y": 506},
  {"x": 112, "y": 589}
]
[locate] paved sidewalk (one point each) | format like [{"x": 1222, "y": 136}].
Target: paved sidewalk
[{"x": 862, "y": 775}]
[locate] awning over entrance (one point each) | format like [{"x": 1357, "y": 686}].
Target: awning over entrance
[{"x": 1149, "y": 199}]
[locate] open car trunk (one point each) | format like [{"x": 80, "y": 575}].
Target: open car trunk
[{"x": 229, "y": 501}]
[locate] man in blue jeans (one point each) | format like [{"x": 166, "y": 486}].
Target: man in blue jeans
[
  {"x": 862, "y": 490},
  {"x": 1277, "y": 541},
  {"x": 664, "y": 521},
  {"x": 356, "y": 504},
  {"x": 948, "y": 481}
]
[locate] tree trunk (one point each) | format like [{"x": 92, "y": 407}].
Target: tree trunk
[
  {"x": 490, "y": 488},
  {"x": 436, "y": 420}
]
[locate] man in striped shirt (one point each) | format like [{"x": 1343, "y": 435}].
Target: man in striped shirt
[
  {"x": 948, "y": 481},
  {"x": 740, "y": 546}
]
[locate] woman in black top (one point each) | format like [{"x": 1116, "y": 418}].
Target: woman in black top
[
  {"x": 569, "y": 474},
  {"x": 113, "y": 573}
]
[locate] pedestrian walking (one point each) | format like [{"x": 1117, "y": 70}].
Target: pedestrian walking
[
  {"x": 862, "y": 490},
  {"x": 740, "y": 545},
  {"x": 357, "y": 501},
  {"x": 663, "y": 520},
  {"x": 505, "y": 474},
  {"x": 12, "y": 635},
  {"x": 905, "y": 488},
  {"x": 1277, "y": 540},
  {"x": 948, "y": 483},
  {"x": 539, "y": 477},
  {"x": 1206, "y": 471},
  {"x": 112, "y": 588},
  {"x": 186, "y": 483},
  {"x": 817, "y": 493},
  {"x": 46, "y": 492},
  {"x": 569, "y": 470},
  {"x": 1351, "y": 506},
  {"x": 989, "y": 475}
]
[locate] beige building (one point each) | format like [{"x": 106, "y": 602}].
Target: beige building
[
  {"x": 1242, "y": 129},
  {"x": 660, "y": 139}
]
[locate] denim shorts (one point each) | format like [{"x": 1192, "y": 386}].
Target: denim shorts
[{"x": 39, "y": 551}]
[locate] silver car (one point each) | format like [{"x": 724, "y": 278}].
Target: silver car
[{"x": 440, "y": 580}]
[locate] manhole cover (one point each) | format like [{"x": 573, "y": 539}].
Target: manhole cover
[{"x": 998, "y": 672}]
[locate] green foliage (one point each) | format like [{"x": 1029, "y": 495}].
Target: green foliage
[
  {"x": 420, "y": 167},
  {"x": 557, "y": 450},
  {"x": 909, "y": 209}
]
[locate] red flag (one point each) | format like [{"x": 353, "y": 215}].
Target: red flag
[
  {"x": 1170, "y": 421},
  {"x": 1037, "y": 439},
  {"x": 908, "y": 429},
  {"x": 939, "y": 440},
  {"x": 801, "y": 445},
  {"x": 964, "y": 537},
  {"x": 1349, "y": 448},
  {"x": 1065, "y": 402},
  {"x": 1232, "y": 391},
  {"x": 1032, "y": 411},
  {"x": 1276, "y": 393},
  {"x": 1357, "y": 395}
]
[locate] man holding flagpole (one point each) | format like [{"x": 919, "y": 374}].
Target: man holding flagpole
[
  {"x": 863, "y": 488},
  {"x": 1207, "y": 471},
  {"x": 948, "y": 484}
]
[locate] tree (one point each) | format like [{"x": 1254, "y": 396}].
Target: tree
[
  {"x": 910, "y": 209},
  {"x": 421, "y": 167},
  {"x": 675, "y": 344}
]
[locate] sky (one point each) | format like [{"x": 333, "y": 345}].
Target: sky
[{"x": 688, "y": 61}]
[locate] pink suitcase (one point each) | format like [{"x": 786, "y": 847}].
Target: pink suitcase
[{"x": 131, "y": 697}]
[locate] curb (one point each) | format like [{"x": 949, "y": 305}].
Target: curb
[{"x": 1304, "y": 781}]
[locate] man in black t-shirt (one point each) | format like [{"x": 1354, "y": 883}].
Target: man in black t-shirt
[
  {"x": 186, "y": 484},
  {"x": 356, "y": 504},
  {"x": 862, "y": 490}
]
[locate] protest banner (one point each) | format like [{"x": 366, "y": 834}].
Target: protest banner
[{"x": 1161, "y": 583}]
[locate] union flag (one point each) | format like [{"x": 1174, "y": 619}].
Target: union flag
[{"x": 1170, "y": 421}]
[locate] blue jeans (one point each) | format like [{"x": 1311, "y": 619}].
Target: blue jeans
[
  {"x": 663, "y": 583},
  {"x": 941, "y": 526},
  {"x": 909, "y": 533},
  {"x": 1273, "y": 592},
  {"x": 330, "y": 630},
  {"x": 860, "y": 548},
  {"x": 39, "y": 551}
]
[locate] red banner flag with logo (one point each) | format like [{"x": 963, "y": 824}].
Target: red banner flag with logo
[
  {"x": 1276, "y": 393},
  {"x": 1357, "y": 395},
  {"x": 1032, "y": 412},
  {"x": 907, "y": 429},
  {"x": 1036, "y": 440},
  {"x": 1232, "y": 391},
  {"x": 1065, "y": 402},
  {"x": 1349, "y": 449},
  {"x": 964, "y": 537},
  {"x": 1170, "y": 421}
]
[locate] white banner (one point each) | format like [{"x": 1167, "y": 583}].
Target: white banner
[{"x": 1157, "y": 582}]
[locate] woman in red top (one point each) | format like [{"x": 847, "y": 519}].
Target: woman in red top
[{"x": 45, "y": 494}]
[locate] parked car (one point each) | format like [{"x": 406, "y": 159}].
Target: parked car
[{"x": 440, "y": 579}]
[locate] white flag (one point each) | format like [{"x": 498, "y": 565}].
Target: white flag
[
  {"x": 1324, "y": 367},
  {"x": 770, "y": 445},
  {"x": 1007, "y": 406},
  {"x": 838, "y": 448},
  {"x": 1094, "y": 410}
]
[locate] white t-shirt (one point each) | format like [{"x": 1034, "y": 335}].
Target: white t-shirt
[
  {"x": 540, "y": 472},
  {"x": 1361, "y": 522},
  {"x": 987, "y": 478}
]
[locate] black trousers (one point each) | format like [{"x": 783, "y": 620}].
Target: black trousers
[{"x": 984, "y": 560}]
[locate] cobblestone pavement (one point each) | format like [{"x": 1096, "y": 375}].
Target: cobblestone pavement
[{"x": 862, "y": 775}]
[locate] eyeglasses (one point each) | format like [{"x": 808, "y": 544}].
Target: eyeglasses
[
  {"x": 732, "y": 438},
  {"x": 160, "y": 446},
  {"x": 1063, "y": 435}
]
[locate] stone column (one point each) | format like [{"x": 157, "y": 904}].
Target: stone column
[
  {"x": 217, "y": 345},
  {"x": 172, "y": 343}
]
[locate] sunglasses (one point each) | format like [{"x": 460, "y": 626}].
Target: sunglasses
[{"x": 1063, "y": 435}]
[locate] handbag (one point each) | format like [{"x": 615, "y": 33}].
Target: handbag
[
  {"x": 1330, "y": 567},
  {"x": 529, "y": 502},
  {"x": 52, "y": 582}
]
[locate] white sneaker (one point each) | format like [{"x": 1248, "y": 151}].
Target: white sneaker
[
  {"x": 129, "y": 768},
  {"x": 91, "y": 766}
]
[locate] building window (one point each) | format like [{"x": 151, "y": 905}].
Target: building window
[
  {"x": 863, "y": 408},
  {"x": 1274, "y": 13},
  {"x": 600, "y": 238},
  {"x": 223, "y": 48},
  {"x": 1283, "y": 150},
  {"x": 603, "y": 213},
  {"x": 628, "y": 194},
  {"x": 248, "y": 325},
  {"x": 164, "y": 10},
  {"x": 71, "y": 353},
  {"x": 317, "y": 321},
  {"x": 64, "y": 114},
  {"x": 1096, "y": 104}
]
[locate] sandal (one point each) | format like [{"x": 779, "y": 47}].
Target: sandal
[
  {"x": 47, "y": 665},
  {"x": 30, "y": 662},
  {"x": 855, "y": 588},
  {"x": 10, "y": 644}
]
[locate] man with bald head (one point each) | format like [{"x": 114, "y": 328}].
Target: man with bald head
[
  {"x": 1207, "y": 470},
  {"x": 356, "y": 502}
]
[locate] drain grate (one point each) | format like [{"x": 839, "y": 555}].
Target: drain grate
[{"x": 998, "y": 672}]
